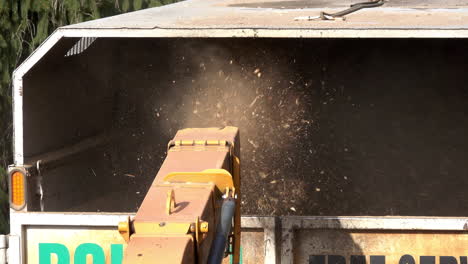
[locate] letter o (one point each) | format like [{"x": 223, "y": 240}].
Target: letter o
[{"x": 407, "y": 259}]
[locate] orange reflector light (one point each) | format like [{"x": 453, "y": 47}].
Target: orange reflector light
[{"x": 18, "y": 190}]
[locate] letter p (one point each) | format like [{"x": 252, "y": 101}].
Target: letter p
[{"x": 47, "y": 249}]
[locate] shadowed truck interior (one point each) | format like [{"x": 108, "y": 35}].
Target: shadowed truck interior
[{"x": 328, "y": 126}]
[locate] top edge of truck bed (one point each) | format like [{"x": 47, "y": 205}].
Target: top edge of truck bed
[{"x": 277, "y": 18}]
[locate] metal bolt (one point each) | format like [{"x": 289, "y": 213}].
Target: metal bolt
[
  {"x": 204, "y": 227},
  {"x": 162, "y": 224}
]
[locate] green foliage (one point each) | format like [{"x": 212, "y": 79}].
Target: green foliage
[
  {"x": 3, "y": 202},
  {"x": 155, "y": 3},
  {"x": 24, "y": 25},
  {"x": 137, "y": 4}
]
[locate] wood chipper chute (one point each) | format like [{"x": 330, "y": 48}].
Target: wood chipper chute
[{"x": 189, "y": 210}]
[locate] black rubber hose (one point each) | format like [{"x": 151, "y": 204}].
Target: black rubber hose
[
  {"x": 218, "y": 247},
  {"x": 354, "y": 8}
]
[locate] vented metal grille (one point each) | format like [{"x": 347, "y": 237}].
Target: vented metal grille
[{"x": 80, "y": 46}]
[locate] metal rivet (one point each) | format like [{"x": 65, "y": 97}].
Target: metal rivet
[{"x": 162, "y": 224}]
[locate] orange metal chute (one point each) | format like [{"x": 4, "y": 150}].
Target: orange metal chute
[{"x": 180, "y": 215}]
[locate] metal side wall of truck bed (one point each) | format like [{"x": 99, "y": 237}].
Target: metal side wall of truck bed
[{"x": 271, "y": 240}]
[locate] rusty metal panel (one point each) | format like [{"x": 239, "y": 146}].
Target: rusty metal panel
[
  {"x": 374, "y": 240},
  {"x": 349, "y": 246},
  {"x": 252, "y": 251}
]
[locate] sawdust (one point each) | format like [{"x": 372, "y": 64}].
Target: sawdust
[
  {"x": 270, "y": 110},
  {"x": 324, "y": 129}
]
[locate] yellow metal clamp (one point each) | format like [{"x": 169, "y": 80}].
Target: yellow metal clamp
[
  {"x": 170, "y": 201},
  {"x": 124, "y": 229},
  {"x": 230, "y": 192},
  {"x": 221, "y": 178}
]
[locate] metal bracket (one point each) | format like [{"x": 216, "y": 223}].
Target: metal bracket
[
  {"x": 170, "y": 201},
  {"x": 176, "y": 144},
  {"x": 124, "y": 229},
  {"x": 221, "y": 178}
]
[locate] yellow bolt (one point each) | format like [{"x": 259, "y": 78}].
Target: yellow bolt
[
  {"x": 123, "y": 227},
  {"x": 204, "y": 227}
]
